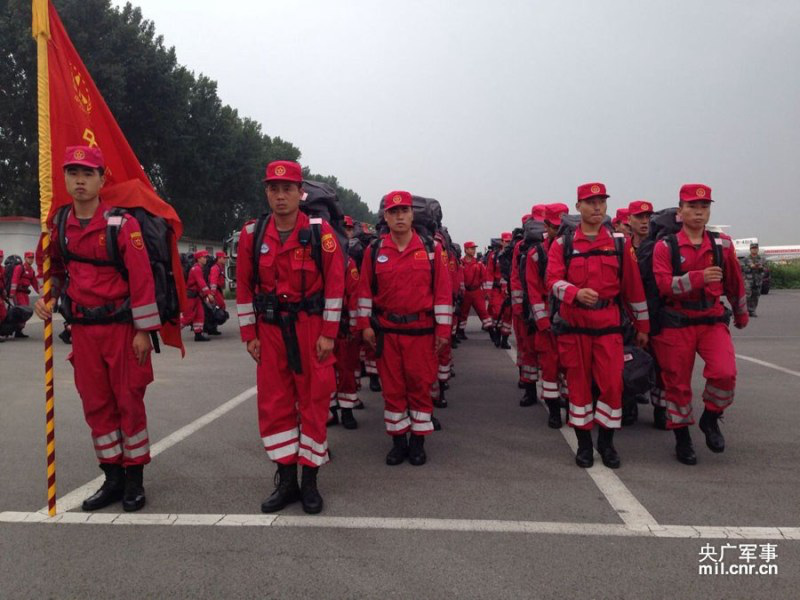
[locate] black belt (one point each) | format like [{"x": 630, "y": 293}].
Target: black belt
[
  {"x": 472, "y": 289},
  {"x": 380, "y": 330},
  {"x": 95, "y": 315},
  {"x": 560, "y": 327},
  {"x": 674, "y": 320},
  {"x": 600, "y": 304},
  {"x": 274, "y": 310},
  {"x": 192, "y": 294},
  {"x": 698, "y": 305},
  {"x": 403, "y": 319}
]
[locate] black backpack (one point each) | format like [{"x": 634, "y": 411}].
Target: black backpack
[
  {"x": 9, "y": 265},
  {"x": 638, "y": 372},
  {"x": 427, "y": 216},
  {"x": 187, "y": 262},
  {"x": 320, "y": 204},
  {"x": 157, "y": 235},
  {"x": 504, "y": 260},
  {"x": 532, "y": 240},
  {"x": 664, "y": 225}
]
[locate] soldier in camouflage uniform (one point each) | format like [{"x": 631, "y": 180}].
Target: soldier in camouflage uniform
[{"x": 753, "y": 270}]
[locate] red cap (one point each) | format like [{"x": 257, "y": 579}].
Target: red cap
[
  {"x": 553, "y": 213},
  {"x": 591, "y": 190},
  {"x": 200, "y": 254},
  {"x": 538, "y": 211},
  {"x": 348, "y": 221},
  {"x": 695, "y": 192},
  {"x": 622, "y": 215},
  {"x": 29, "y": 254},
  {"x": 284, "y": 170},
  {"x": 639, "y": 207},
  {"x": 526, "y": 218},
  {"x": 506, "y": 236},
  {"x": 220, "y": 254},
  {"x": 397, "y": 198},
  {"x": 470, "y": 245},
  {"x": 84, "y": 156}
]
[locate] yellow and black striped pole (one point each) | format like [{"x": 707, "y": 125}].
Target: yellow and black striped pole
[{"x": 41, "y": 33}]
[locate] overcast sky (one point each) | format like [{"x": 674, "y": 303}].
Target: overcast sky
[{"x": 494, "y": 107}]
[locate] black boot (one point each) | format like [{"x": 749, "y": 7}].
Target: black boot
[
  {"x": 684, "y": 449},
  {"x": 348, "y": 420},
  {"x": 374, "y": 383},
  {"x": 437, "y": 426},
  {"x": 441, "y": 401},
  {"x": 630, "y": 413},
  {"x": 199, "y": 337},
  {"x": 709, "y": 424},
  {"x": 134, "y": 498},
  {"x": 529, "y": 399},
  {"x": 416, "y": 450},
  {"x": 495, "y": 335},
  {"x": 605, "y": 447},
  {"x": 584, "y": 457},
  {"x": 454, "y": 341},
  {"x": 286, "y": 489},
  {"x": 334, "y": 418},
  {"x": 399, "y": 450},
  {"x": 18, "y": 334},
  {"x": 660, "y": 418},
  {"x": 462, "y": 334},
  {"x": 359, "y": 405},
  {"x": 504, "y": 343},
  {"x": 309, "y": 495},
  {"x": 214, "y": 331},
  {"x": 111, "y": 491},
  {"x": 554, "y": 420}
]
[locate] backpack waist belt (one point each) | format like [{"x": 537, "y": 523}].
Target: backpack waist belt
[
  {"x": 673, "y": 319},
  {"x": 76, "y": 314},
  {"x": 380, "y": 330},
  {"x": 274, "y": 310}
]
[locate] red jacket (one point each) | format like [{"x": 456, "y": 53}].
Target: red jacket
[
  {"x": 691, "y": 287},
  {"x": 404, "y": 286},
  {"x": 351, "y": 284},
  {"x": 216, "y": 278},
  {"x": 93, "y": 286},
  {"x": 537, "y": 289},
  {"x": 283, "y": 268},
  {"x": 516, "y": 282},
  {"x": 23, "y": 279},
  {"x": 196, "y": 282},
  {"x": 600, "y": 273},
  {"x": 475, "y": 275}
]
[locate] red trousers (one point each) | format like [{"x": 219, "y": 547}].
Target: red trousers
[
  {"x": 445, "y": 364},
  {"x": 219, "y": 298},
  {"x": 675, "y": 350},
  {"x": 500, "y": 310},
  {"x": 347, "y": 365},
  {"x": 293, "y": 407},
  {"x": 474, "y": 299},
  {"x": 194, "y": 315},
  {"x": 598, "y": 359},
  {"x": 407, "y": 370},
  {"x": 370, "y": 362},
  {"x": 111, "y": 385},
  {"x": 526, "y": 353},
  {"x": 547, "y": 353}
]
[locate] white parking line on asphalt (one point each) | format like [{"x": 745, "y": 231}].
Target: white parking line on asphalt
[
  {"x": 75, "y": 497},
  {"x": 769, "y": 365},
  {"x": 409, "y": 524},
  {"x": 630, "y": 510}
]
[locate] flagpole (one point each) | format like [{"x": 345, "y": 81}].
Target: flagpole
[{"x": 41, "y": 32}]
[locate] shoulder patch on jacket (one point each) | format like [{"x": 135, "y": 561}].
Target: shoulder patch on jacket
[{"x": 328, "y": 242}]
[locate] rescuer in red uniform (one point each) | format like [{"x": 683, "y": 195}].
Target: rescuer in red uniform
[
  {"x": 22, "y": 280},
  {"x": 405, "y": 313},
  {"x": 591, "y": 273},
  {"x": 112, "y": 317},
  {"x": 694, "y": 321},
  {"x": 197, "y": 290},
  {"x": 289, "y": 314},
  {"x": 476, "y": 288}
]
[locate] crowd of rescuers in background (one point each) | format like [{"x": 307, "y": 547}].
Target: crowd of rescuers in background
[{"x": 605, "y": 316}]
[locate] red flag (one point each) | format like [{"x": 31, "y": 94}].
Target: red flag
[{"x": 80, "y": 116}]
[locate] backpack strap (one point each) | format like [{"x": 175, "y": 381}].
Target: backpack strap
[
  {"x": 316, "y": 244},
  {"x": 375, "y": 245},
  {"x": 115, "y": 221},
  {"x": 541, "y": 259},
  {"x": 258, "y": 240},
  {"x": 674, "y": 253}
]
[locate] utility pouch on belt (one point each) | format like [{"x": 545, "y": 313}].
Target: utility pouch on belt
[{"x": 270, "y": 309}]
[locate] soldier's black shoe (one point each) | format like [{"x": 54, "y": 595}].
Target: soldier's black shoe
[
  {"x": 399, "y": 450},
  {"x": 374, "y": 383},
  {"x": 65, "y": 336},
  {"x": 286, "y": 489},
  {"x": 529, "y": 399},
  {"x": 111, "y": 491},
  {"x": 684, "y": 449},
  {"x": 359, "y": 405},
  {"x": 215, "y": 332},
  {"x": 134, "y": 498},
  {"x": 584, "y": 457},
  {"x": 660, "y": 418},
  {"x": 437, "y": 426},
  {"x": 605, "y": 447},
  {"x": 630, "y": 414},
  {"x": 416, "y": 450},
  {"x": 18, "y": 334},
  {"x": 504, "y": 343},
  {"x": 348, "y": 420},
  {"x": 462, "y": 335},
  {"x": 441, "y": 401},
  {"x": 309, "y": 495},
  {"x": 709, "y": 424},
  {"x": 199, "y": 337},
  {"x": 334, "y": 418},
  {"x": 494, "y": 334},
  {"x": 554, "y": 420},
  {"x": 521, "y": 384}
]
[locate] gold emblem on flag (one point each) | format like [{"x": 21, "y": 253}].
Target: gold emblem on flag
[
  {"x": 595, "y": 189},
  {"x": 82, "y": 96},
  {"x": 280, "y": 170}
]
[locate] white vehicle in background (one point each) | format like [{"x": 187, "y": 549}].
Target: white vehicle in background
[
  {"x": 231, "y": 248},
  {"x": 771, "y": 253}
]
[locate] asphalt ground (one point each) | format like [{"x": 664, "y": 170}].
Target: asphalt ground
[{"x": 500, "y": 510}]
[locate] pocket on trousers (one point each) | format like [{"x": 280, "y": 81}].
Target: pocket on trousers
[{"x": 568, "y": 351}]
